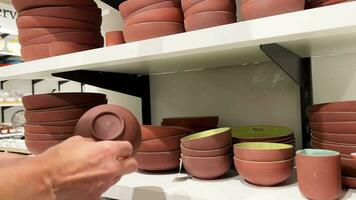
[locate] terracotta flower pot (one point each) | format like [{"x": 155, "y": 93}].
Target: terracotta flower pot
[
  {"x": 41, "y": 129},
  {"x": 202, "y": 121},
  {"x": 349, "y": 182},
  {"x": 332, "y": 116},
  {"x": 208, "y": 19},
  {"x": 21, "y": 5},
  {"x": 337, "y": 138},
  {"x": 155, "y": 132},
  {"x": 261, "y": 133},
  {"x": 253, "y": 9},
  {"x": 208, "y": 140},
  {"x": 31, "y": 33},
  {"x": 207, "y": 167},
  {"x": 57, "y": 115},
  {"x": 264, "y": 173},
  {"x": 207, "y": 153},
  {"x": 334, "y": 127},
  {"x": 165, "y": 4},
  {"x": 342, "y": 148},
  {"x": 114, "y": 38},
  {"x": 52, "y": 22},
  {"x": 46, "y": 137},
  {"x": 157, "y": 15},
  {"x": 319, "y": 173},
  {"x": 263, "y": 152},
  {"x": 348, "y": 166},
  {"x": 211, "y": 5},
  {"x": 110, "y": 122},
  {"x": 126, "y": 8},
  {"x": 37, "y": 147},
  {"x": 171, "y": 143},
  {"x": 150, "y": 30},
  {"x": 344, "y": 106},
  {"x": 90, "y": 15},
  {"x": 158, "y": 161}
]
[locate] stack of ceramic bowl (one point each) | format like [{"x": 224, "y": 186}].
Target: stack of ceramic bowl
[
  {"x": 160, "y": 147},
  {"x": 57, "y": 27},
  {"x": 264, "y": 164},
  {"x": 275, "y": 134},
  {"x": 207, "y": 155},
  {"x": 333, "y": 127},
  {"x": 253, "y": 9},
  {"x": 201, "y": 14},
  {"x": 145, "y": 19},
  {"x": 195, "y": 124},
  {"x": 321, "y": 3},
  {"x": 51, "y": 118}
]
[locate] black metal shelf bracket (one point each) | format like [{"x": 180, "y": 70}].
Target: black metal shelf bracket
[
  {"x": 33, "y": 83},
  {"x": 130, "y": 84},
  {"x": 2, "y": 84},
  {"x": 3, "y": 108},
  {"x": 60, "y": 83},
  {"x": 299, "y": 70}
]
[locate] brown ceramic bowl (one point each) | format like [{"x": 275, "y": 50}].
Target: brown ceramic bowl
[
  {"x": 171, "y": 143},
  {"x": 337, "y": 138},
  {"x": 254, "y": 9},
  {"x": 208, "y": 140},
  {"x": 126, "y": 8},
  {"x": 53, "y": 22},
  {"x": 40, "y": 129},
  {"x": 158, "y": 161},
  {"x": 349, "y": 182},
  {"x": 263, "y": 152},
  {"x": 203, "y": 122},
  {"x": 62, "y": 48},
  {"x": 57, "y": 123},
  {"x": 345, "y": 106},
  {"x": 165, "y": 4},
  {"x": 208, "y": 19},
  {"x": 207, "y": 167},
  {"x": 79, "y": 37},
  {"x": 207, "y": 153},
  {"x": 186, "y": 4},
  {"x": 150, "y": 30},
  {"x": 46, "y": 137},
  {"x": 348, "y": 166},
  {"x": 21, "y": 5},
  {"x": 31, "y": 33},
  {"x": 211, "y": 5},
  {"x": 149, "y": 132},
  {"x": 114, "y": 38},
  {"x": 90, "y": 15},
  {"x": 264, "y": 173},
  {"x": 157, "y": 15},
  {"x": 110, "y": 122},
  {"x": 332, "y": 116},
  {"x": 343, "y": 149},
  {"x": 55, "y": 100},
  {"x": 37, "y": 147},
  {"x": 51, "y": 116},
  {"x": 334, "y": 127}
]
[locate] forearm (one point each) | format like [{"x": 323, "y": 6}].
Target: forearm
[{"x": 7, "y": 159}]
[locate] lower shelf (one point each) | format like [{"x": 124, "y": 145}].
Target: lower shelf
[{"x": 141, "y": 185}]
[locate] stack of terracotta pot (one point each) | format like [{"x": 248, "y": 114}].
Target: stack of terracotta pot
[
  {"x": 195, "y": 124},
  {"x": 160, "y": 148},
  {"x": 51, "y": 118},
  {"x": 333, "y": 127},
  {"x": 57, "y": 27},
  {"x": 207, "y": 155},
  {"x": 321, "y": 3},
  {"x": 145, "y": 19},
  {"x": 253, "y": 9},
  {"x": 201, "y": 14}
]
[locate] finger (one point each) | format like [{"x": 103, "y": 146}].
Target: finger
[
  {"x": 126, "y": 166},
  {"x": 119, "y": 149}
]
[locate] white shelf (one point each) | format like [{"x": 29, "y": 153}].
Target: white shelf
[
  {"x": 316, "y": 32},
  {"x": 163, "y": 186},
  {"x": 8, "y": 104}
]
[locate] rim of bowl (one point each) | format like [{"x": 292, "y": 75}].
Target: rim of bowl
[
  {"x": 324, "y": 152},
  {"x": 280, "y": 161},
  {"x": 205, "y": 134},
  {"x": 205, "y": 158},
  {"x": 192, "y": 117},
  {"x": 263, "y": 146},
  {"x": 206, "y": 151}
]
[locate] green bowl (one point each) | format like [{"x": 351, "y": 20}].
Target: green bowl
[{"x": 261, "y": 133}]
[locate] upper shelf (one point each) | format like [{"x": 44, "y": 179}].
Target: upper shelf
[{"x": 316, "y": 32}]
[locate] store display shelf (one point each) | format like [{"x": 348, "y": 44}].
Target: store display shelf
[
  {"x": 10, "y": 104},
  {"x": 316, "y": 32},
  {"x": 167, "y": 187}
]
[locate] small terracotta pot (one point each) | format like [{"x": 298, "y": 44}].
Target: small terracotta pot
[
  {"x": 157, "y": 15},
  {"x": 344, "y": 149},
  {"x": 110, "y": 122},
  {"x": 208, "y": 140},
  {"x": 337, "y": 138},
  {"x": 211, "y": 5},
  {"x": 207, "y": 153},
  {"x": 264, "y": 173},
  {"x": 55, "y": 100},
  {"x": 37, "y": 147},
  {"x": 208, "y": 19},
  {"x": 253, "y": 9},
  {"x": 319, "y": 173},
  {"x": 62, "y": 48},
  {"x": 155, "y": 132},
  {"x": 158, "y": 161},
  {"x": 186, "y": 4},
  {"x": 50, "y": 116},
  {"x": 40, "y": 129},
  {"x": 165, "y": 4},
  {"x": 31, "y": 33},
  {"x": 263, "y": 152},
  {"x": 114, "y": 38},
  {"x": 349, "y": 182},
  {"x": 344, "y": 106},
  {"x": 57, "y": 123},
  {"x": 126, "y": 8},
  {"x": 150, "y": 30},
  {"x": 207, "y": 167},
  {"x": 46, "y": 137},
  {"x": 332, "y": 116},
  {"x": 334, "y": 127},
  {"x": 348, "y": 166},
  {"x": 52, "y": 22},
  {"x": 203, "y": 122},
  {"x": 21, "y": 5},
  {"x": 90, "y": 15},
  {"x": 171, "y": 143}
]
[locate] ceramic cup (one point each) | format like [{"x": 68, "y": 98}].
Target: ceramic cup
[{"x": 319, "y": 173}]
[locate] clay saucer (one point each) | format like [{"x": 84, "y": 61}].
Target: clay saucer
[
  {"x": 46, "y": 137},
  {"x": 208, "y": 140},
  {"x": 349, "y": 182},
  {"x": 157, "y": 15},
  {"x": 337, "y": 138},
  {"x": 31, "y": 33},
  {"x": 200, "y": 121},
  {"x": 126, "y": 8},
  {"x": 165, "y": 4},
  {"x": 110, "y": 122},
  {"x": 171, "y": 143},
  {"x": 158, "y": 161},
  {"x": 53, "y": 22},
  {"x": 52, "y": 116},
  {"x": 55, "y": 100},
  {"x": 40, "y": 129},
  {"x": 344, "y": 106},
  {"x": 37, "y": 147},
  {"x": 334, "y": 127},
  {"x": 332, "y": 116},
  {"x": 149, "y": 132},
  {"x": 21, "y": 5},
  {"x": 114, "y": 38},
  {"x": 208, "y": 153},
  {"x": 343, "y": 149},
  {"x": 211, "y": 5},
  {"x": 150, "y": 30}
]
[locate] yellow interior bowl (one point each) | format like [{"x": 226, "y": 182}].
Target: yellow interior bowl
[
  {"x": 260, "y": 132},
  {"x": 262, "y": 146},
  {"x": 207, "y": 133}
]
